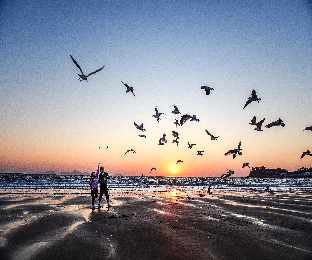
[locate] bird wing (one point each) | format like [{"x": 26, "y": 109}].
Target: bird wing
[
  {"x": 136, "y": 125},
  {"x": 247, "y": 103},
  {"x": 76, "y": 64},
  {"x": 95, "y": 71},
  {"x": 208, "y": 133}
]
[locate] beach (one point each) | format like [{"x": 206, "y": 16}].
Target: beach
[{"x": 146, "y": 223}]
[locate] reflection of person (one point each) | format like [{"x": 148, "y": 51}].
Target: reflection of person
[
  {"x": 93, "y": 182},
  {"x": 103, "y": 178}
]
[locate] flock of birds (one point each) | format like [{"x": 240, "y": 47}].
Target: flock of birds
[{"x": 184, "y": 118}]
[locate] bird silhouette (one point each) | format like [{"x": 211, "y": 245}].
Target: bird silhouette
[
  {"x": 252, "y": 98},
  {"x": 235, "y": 151},
  {"x": 212, "y": 137},
  {"x": 200, "y": 153},
  {"x": 176, "y": 110},
  {"x": 276, "y": 123},
  {"x": 131, "y": 150},
  {"x": 190, "y": 146},
  {"x": 259, "y": 124},
  {"x": 128, "y": 88},
  {"x": 207, "y": 89},
  {"x": 179, "y": 161},
  {"x": 140, "y": 127},
  {"x": 83, "y": 76},
  {"x": 305, "y": 153},
  {"x": 162, "y": 140},
  {"x": 184, "y": 118},
  {"x": 157, "y": 115}
]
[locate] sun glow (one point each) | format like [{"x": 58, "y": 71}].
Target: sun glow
[{"x": 173, "y": 170}]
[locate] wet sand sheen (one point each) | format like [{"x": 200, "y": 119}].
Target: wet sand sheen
[{"x": 157, "y": 225}]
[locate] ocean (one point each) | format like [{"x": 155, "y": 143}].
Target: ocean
[{"x": 80, "y": 182}]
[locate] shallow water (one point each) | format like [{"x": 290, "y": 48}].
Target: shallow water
[{"x": 80, "y": 182}]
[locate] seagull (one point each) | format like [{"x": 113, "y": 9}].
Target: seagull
[
  {"x": 162, "y": 140},
  {"x": 190, "y": 146},
  {"x": 83, "y": 76},
  {"x": 157, "y": 115},
  {"x": 131, "y": 150},
  {"x": 184, "y": 118},
  {"x": 245, "y": 164},
  {"x": 128, "y": 88},
  {"x": 176, "y": 110},
  {"x": 253, "y": 121},
  {"x": 207, "y": 89},
  {"x": 140, "y": 127},
  {"x": 194, "y": 118},
  {"x": 176, "y": 141},
  {"x": 175, "y": 134},
  {"x": 235, "y": 151},
  {"x": 212, "y": 137},
  {"x": 308, "y": 128},
  {"x": 252, "y": 98},
  {"x": 276, "y": 123},
  {"x": 229, "y": 173},
  {"x": 178, "y": 161},
  {"x": 259, "y": 124},
  {"x": 200, "y": 153},
  {"x": 152, "y": 169},
  {"x": 306, "y": 153},
  {"x": 177, "y": 123},
  {"x": 143, "y": 136}
]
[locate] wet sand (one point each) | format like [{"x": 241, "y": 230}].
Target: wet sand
[{"x": 169, "y": 224}]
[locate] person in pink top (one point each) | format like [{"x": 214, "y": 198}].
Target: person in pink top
[{"x": 93, "y": 182}]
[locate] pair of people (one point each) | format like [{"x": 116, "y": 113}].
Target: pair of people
[{"x": 99, "y": 177}]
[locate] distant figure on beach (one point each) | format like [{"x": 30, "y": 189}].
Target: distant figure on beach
[
  {"x": 103, "y": 179},
  {"x": 93, "y": 182},
  {"x": 267, "y": 188},
  {"x": 209, "y": 189}
]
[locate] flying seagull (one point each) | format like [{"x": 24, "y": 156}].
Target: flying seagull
[
  {"x": 200, "y": 153},
  {"x": 152, "y": 169},
  {"x": 276, "y": 123},
  {"x": 131, "y": 150},
  {"x": 176, "y": 110},
  {"x": 207, "y": 89},
  {"x": 212, "y": 137},
  {"x": 140, "y": 127},
  {"x": 229, "y": 173},
  {"x": 157, "y": 115},
  {"x": 143, "y": 136},
  {"x": 176, "y": 141},
  {"x": 128, "y": 88},
  {"x": 308, "y": 128},
  {"x": 83, "y": 76},
  {"x": 194, "y": 118},
  {"x": 305, "y": 153},
  {"x": 190, "y": 146},
  {"x": 175, "y": 134},
  {"x": 259, "y": 124},
  {"x": 184, "y": 118},
  {"x": 235, "y": 151},
  {"x": 178, "y": 161},
  {"x": 252, "y": 98},
  {"x": 162, "y": 140},
  {"x": 177, "y": 123},
  {"x": 245, "y": 164}
]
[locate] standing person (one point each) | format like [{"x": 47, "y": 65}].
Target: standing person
[
  {"x": 103, "y": 178},
  {"x": 93, "y": 182}
]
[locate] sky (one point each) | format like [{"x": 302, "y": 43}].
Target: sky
[{"x": 165, "y": 50}]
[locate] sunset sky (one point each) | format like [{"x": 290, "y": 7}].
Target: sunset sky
[{"x": 165, "y": 50}]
